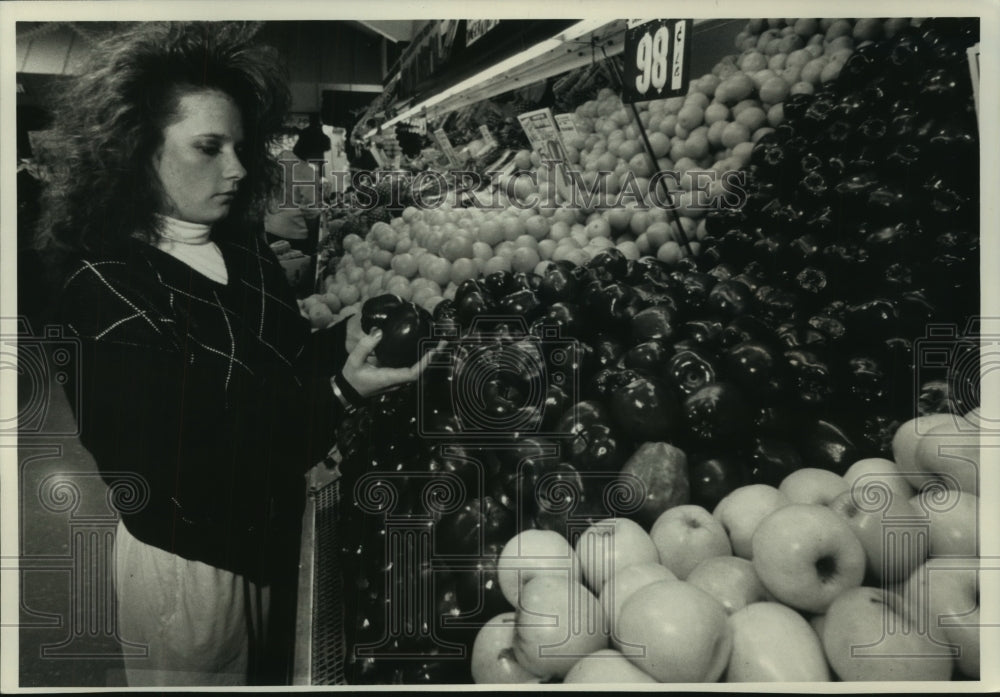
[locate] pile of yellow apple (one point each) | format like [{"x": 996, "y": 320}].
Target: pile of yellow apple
[{"x": 867, "y": 576}]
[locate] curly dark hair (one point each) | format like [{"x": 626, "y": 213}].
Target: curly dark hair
[{"x": 109, "y": 123}]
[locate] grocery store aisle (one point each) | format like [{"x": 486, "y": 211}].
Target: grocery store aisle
[{"x": 67, "y": 618}]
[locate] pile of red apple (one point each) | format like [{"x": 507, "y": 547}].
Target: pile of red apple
[{"x": 869, "y": 576}]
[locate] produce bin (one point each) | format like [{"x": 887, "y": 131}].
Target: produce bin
[
  {"x": 655, "y": 369},
  {"x": 320, "y": 646}
]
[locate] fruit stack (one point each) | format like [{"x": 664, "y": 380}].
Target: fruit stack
[
  {"x": 711, "y": 130},
  {"x": 813, "y": 580},
  {"x": 597, "y": 412},
  {"x": 770, "y": 380}
]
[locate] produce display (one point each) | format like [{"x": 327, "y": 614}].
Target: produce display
[
  {"x": 696, "y": 455},
  {"x": 709, "y": 132}
]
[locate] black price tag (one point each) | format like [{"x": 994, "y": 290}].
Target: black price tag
[{"x": 657, "y": 59}]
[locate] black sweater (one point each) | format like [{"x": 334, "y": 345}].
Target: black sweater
[{"x": 217, "y": 396}]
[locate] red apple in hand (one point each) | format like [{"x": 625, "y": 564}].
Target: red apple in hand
[
  {"x": 742, "y": 511},
  {"x": 533, "y": 553},
  {"x": 730, "y": 580},
  {"x": 773, "y": 643},
  {"x": 559, "y": 622},
  {"x": 493, "y": 661},
  {"x": 868, "y": 635},
  {"x": 876, "y": 521},
  {"x": 610, "y": 545},
  {"x": 806, "y": 555},
  {"x": 606, "y": 666},
  {"x": 812, "y": 485},
  {"x": 686, "y": 535},
  {"x": 942, "y": 597},
  {"x": 675, "y": 632}
]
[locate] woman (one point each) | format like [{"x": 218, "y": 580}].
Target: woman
[{"x": 199, "y": 379}]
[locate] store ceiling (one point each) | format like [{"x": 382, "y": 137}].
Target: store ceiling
[
  {"x": 395, "y": 30},
  {"x": 56, "y": 48}
]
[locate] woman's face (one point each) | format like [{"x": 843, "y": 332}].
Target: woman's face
[{"x": 198, "y": 163}]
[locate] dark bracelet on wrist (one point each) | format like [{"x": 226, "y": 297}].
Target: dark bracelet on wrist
[{"x": 352, "y": 396}]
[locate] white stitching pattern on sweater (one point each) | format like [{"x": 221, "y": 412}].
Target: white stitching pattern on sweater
[
  {"x": 232, "y": 340},
  {"x": 91, "y": 264},
  {"x": 122, "y": 297}
]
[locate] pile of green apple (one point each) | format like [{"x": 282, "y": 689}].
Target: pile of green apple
[{"x": 868, "y": 576}]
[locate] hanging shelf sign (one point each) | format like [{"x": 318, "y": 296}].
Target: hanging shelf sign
[
  {"x": 446, "y": 147},
  {"x": 475, "y": 29},
  {"x": 657, "y": 59},
  {"x": 541, "y": 129},
  {"x": 567, "y": 126}
]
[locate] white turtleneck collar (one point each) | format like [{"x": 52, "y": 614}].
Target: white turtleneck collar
[{"x": 191, "y": 244}]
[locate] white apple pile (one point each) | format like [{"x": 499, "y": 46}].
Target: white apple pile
[{"x": 860, "y": 577}]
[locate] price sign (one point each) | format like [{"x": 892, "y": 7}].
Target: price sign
[
  {"x": 567, "y": 126},
  {"x": 446, "y": 147},
  {"x": 475, "y": 29},
  {"x": 545, "y": 137},
  {"x": 657, "y": 59},
  {"x": 541, "y": 129}
]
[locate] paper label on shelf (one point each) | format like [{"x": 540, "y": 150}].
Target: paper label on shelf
[
  {"x": 446, "y": 147},
  {"x": 567, "y": 125},
  {"x": 540, "y": 127},
  {"x": 545, "y": 138},
  {"x": 657, "y": 59},
  {"x": 475, "y": 29}
]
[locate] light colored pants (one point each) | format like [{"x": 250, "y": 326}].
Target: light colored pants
[{"x": 202, "y": 626}]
